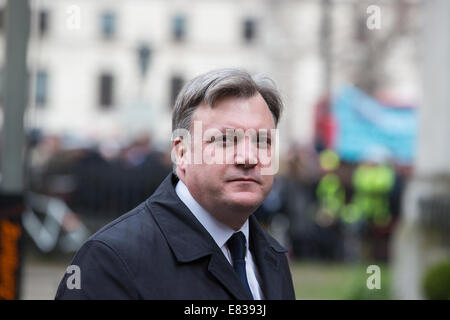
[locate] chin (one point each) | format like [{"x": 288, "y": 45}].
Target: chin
[{"x": 248, "y": 200}]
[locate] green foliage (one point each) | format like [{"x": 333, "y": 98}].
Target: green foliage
[
  {"x": 337, "y": 281},
  {"x": 358, "y": 289},
  {"x": 436, "y": 283}
]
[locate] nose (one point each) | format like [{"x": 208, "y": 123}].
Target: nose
[{"x": 246, "y": 153}]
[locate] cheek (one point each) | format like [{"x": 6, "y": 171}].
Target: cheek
[
  {"x": 216, "y": 172},
  {"x": 267, "y": 184},
  {"x": 210, "y": 174}
]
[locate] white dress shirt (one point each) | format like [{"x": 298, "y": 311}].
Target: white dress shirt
[{"x": 221, "y": 233}]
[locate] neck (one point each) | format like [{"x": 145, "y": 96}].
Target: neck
[{"x": 234, "y": 218}]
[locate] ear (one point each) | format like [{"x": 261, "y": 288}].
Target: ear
[{"x": 181, "y": 153}]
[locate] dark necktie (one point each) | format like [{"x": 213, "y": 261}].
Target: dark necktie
[{"x": 237, "y": 247}]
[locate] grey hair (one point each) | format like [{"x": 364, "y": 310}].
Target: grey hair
[{"x": 212, "y": 86}]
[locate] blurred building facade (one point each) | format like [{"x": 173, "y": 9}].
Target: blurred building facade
[
  {"x": 422, "y": 242},
  {"x": 100, "y": 68}
]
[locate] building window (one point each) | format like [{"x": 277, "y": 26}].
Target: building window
[
  {"x": 144, "y": 56},
  {"x": 176, "y": 84},
  {"x": 106, "y": 90},
  {"x": 249, "y": 30},
  {"x": 41, "y": 96},
  {"x": 179, "y": 28},
  {"x": 108, "y": 24},
  {"x": 43, "y": 22}
]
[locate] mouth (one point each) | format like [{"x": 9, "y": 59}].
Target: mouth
[{"x": 246, "y": 180}]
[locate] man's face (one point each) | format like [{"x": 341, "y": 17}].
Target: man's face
[{"x": 236, "y": 183}]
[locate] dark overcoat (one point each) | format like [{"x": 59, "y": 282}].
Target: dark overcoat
[{"x": 159, "y": 250}]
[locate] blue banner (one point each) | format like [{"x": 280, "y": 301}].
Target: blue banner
[{"x": 370, "y": 131}]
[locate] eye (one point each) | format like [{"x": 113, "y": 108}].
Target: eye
[
  {"x": 228, "y": 140},
  {"x": 263, "y": 142},
  {"x": 220, "y": 139}
]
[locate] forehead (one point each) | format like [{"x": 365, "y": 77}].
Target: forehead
[{"x": 232, "y": 112}]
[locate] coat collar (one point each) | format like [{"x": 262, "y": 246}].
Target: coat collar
[{"x": 189, "y": 241}]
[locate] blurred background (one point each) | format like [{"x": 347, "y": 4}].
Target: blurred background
[{"x": 87, "y": 90}]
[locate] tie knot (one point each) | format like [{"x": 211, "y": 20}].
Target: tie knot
[{"x": 237, "y": 246}]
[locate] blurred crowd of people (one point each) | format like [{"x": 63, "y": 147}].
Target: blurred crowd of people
[
  {"x": 320, "y": 207},
  {"x": 97, "y": 179},
  {"x": 333, "y": 209}
]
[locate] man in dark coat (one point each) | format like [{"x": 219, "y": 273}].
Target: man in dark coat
[{"x": 196, "y": 237}]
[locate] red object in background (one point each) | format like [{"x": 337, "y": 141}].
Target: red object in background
[
  {"x": 11, "y": 208},
  {"x": 325, "y": 124}
]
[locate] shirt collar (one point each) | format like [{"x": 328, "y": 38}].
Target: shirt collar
[{"x": 219, "y": 231}]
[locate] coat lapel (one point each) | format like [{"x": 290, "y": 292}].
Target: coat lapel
[
  {"x": 267, "y": 254},
  {"x": 188, "y": 239},
  {"x": 221, "y": 269}
]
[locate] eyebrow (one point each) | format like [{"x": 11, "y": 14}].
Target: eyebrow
[
  {"x": 265, "y": 135},
  {"x": 224, "y": 129}
]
